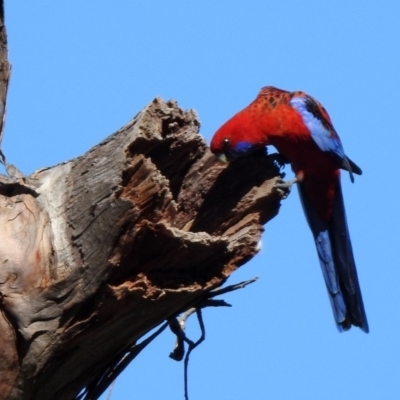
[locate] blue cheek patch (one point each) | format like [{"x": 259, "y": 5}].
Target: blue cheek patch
[{"x": 243, "y": 147}]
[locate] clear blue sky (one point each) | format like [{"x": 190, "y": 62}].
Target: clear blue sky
[{"x": 83, "y": 69}]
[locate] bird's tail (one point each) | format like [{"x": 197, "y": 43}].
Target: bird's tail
[{"x": 335, "y": 254}]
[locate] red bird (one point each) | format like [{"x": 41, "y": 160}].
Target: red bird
[{"x": 299, "y": 127}]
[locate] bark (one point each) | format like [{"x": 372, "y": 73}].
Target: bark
[
  {"x": 5, "y": 70},
  {"x": 99, "y": 250}
]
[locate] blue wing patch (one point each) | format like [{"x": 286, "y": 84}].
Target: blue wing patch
[{"x": 322, "y": 132}]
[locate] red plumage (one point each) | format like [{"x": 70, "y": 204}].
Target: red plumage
[{"x": 301, "y": 130}]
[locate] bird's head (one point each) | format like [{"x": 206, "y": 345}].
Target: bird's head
[{"x": 233, "y": 140}]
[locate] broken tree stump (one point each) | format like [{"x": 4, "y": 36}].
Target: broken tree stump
[{"x": 97, "y": 251}]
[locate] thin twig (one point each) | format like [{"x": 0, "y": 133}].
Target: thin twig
[
  {"x": 178, "y": 326},
  {"x": 231, "y": 288},
  {"x": 192, "y": 346}
]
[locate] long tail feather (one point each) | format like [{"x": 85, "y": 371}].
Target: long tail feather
[
  {"x": 335, "y": 254},
  {"x": 344, "y": 261}
]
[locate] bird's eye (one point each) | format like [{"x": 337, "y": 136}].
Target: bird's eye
[{"x": 226, "y": 143}]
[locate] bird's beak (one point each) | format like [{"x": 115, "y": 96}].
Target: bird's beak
[{"x": 221, "y": 157}]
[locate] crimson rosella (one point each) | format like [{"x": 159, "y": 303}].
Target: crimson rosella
[{"x": 301, "y": 130}]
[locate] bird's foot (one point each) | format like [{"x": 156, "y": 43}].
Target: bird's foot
[
  {"x": 281, "y": 184},
  {"x": 285, "y": 186}
]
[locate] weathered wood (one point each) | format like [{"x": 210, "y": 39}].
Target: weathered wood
[
  {"x": 5, "y": 71},
  {"x": 115, "y": 242}
]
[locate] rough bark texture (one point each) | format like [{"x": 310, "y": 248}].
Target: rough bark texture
[
  {"x": 98, "y": 251},
  {"x": 113, "y": 243},
  {"x": 5, "y": 70}
]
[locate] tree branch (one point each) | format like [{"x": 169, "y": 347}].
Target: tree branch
[{"x": 5, "y": 71}]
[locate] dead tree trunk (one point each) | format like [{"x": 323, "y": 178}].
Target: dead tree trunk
[
  {"x": 98, "y": 251},
  {"x": 111, "y": 244}
]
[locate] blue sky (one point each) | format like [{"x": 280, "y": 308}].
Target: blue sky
[{"x": 81, "y": 70}]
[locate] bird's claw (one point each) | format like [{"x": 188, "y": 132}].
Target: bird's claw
[
  {"x": 281, "y": 184},
  {"x": 286, "y": 186}
]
